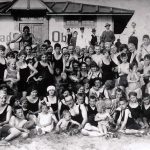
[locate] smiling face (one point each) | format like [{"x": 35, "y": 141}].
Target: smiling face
[
  {"x": 3, "y": 98},
  {"x": 44, "y": 58},
  {"x": 28, "y": 50},
  {"x": 34, "y": 93},
  {"x": 2, "y": 53},
  {"x": 22, "y": 58},
  {"x": 97, "y": 50},
  {"x": 69, "y": 101},
  {"x": 133, "y": 99},
  {"x": 51, "y": 92},
  {"x": 131, "y": 47}
]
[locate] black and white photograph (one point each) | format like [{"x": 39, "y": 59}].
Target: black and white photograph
[{"x": 74, "y": 74}]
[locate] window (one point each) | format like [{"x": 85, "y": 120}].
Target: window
[{"x": 80, "y": 21}]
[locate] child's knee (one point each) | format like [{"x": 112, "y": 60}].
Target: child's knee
[{"x": 15, "y": 132}]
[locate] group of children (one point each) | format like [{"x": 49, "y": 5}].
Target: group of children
[{"x": 96, "y": 91}]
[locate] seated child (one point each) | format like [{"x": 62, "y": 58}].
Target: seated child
[
  {"x": 103, "y": 118},
  {"x": 66, "y": 122},
  {"x": 125, "y": 122},
  {"x": 19, "y": 122},
  {"x": 45, "y": 122}
]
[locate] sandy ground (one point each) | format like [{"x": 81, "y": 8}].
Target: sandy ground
[{"x": 79, "y": 142}]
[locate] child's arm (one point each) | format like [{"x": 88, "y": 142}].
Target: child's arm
[
  {"x": 90, "y": 75},
  {"x": 33, "y": 73},
  {"x": 75, "y": 122},
  {"x": 123, "y": 125},
  {"x": 5, "y": 77},
  {"x": 97, "y": 118},
  {"x": 54, "y": 118},
  {"x": 58, "y": 125}
]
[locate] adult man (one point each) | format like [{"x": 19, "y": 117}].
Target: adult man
[
  {"x": 82, "y": 40},
  {"x": 93, "y": 41},
  {"x": 108, "y": 35}
]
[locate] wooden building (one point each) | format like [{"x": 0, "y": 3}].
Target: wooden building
[{"x": 49, "y": 20}]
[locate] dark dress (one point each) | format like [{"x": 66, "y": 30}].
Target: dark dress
[
  {"x": 91, "y": 115},
  {"x": 107, "y": 73},
  {"x": 58, "y": 63},
  {"x": 24, "y": 74},
  {"x": 47, "y": 80}
]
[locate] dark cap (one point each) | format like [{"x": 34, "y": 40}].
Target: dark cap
[
  {"x": 94, "y": 30},
  {"x": 68, "y": 29},
  {"x": 107, "y": 24},
  {"x": 81, "y": 28}
]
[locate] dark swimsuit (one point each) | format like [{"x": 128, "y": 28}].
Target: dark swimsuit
[
  {"x": 135, "y": 112},
  {"x": 91, "y": 115},
  {"x": 131, "y": 124},
  {"x": 34, "y": 107},
  {"x": 78, "y": 117}
]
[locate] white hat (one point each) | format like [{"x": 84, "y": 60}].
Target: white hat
[{"x": 51, "y": 88}]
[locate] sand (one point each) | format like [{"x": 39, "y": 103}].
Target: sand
[{"x": 78, "y": 142}]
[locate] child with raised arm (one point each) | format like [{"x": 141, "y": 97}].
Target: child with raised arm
[
  {"x": 66, "y": 122},
  {"x": 45, "y": 121}
]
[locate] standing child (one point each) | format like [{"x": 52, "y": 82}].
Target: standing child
[
  {"x": 51, "y": 100},
  {"x": 45, "y": 121},
  {"x": 12, "y": 76},
  {"x": 133, "y": 79},
  {"x": 123, "y": 70}
]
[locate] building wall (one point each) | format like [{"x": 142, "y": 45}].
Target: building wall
[
  {"x": 7, "y": 29},
  {"x": 57, "y": 30}
]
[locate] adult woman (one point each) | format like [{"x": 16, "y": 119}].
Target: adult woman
[
  {"x": 78, "y": 112},
  {"x": 44, "y": 77},
  {"x": 107, "y": 73},
  {"x": 33, "y": 103},
  {"x": 26, "y": 71},
  {"x": 83, "y": 72},
  {"x": 2, "y": 63}
]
